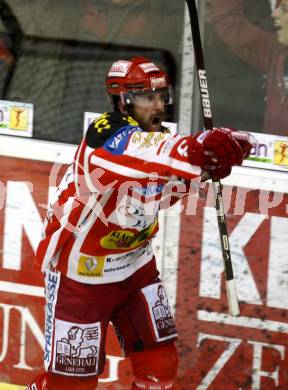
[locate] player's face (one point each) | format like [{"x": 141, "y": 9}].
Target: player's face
[
  {"x": 149, "y": 110},
  {"x": 280, "y": 16}
]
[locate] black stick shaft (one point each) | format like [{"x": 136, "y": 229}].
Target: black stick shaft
[
  {"x": 200, "y": 65},
  {"x": 208, "y": 123}
]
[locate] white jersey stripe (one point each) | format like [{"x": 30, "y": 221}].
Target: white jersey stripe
[
  {"x": 88, "y": 152},
  {"x": 96, "y": 207},
  {"x": 134, "y": 173},
  {"x": 182, "y": 166},
  {"x": 77, "y": 167},
  {"x": 55, "y": 237},
  {"x": 117, "y": 168}
]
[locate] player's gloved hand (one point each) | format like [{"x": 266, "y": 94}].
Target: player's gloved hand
[
  {"x": 245, "y": 139},
  {"x": 217, "y": 150}
]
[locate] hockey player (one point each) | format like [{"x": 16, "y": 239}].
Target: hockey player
[
  {"x": 96, "y": 248},
  {"x": 267, "y": 51}
]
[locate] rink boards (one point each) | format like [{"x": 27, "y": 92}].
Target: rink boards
[{"x": 216, "y": 350}]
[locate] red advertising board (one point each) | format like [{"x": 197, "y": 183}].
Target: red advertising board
[
  {"x": 24, "y": 195},
  {"x": 217, "y": 351}
]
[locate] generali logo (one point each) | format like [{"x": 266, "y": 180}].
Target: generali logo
[{"x": 77, "y": 352}]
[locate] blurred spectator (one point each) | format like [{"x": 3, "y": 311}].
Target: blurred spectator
[
  {"x": 70, "y": 49},
  {"x": 125, "y": 18},
  {"x": 6, "y": 63},
  {"x": 265, "y": 50},
  {"x": 135, "y": 22},
  {"x": 5, "y": 55}
]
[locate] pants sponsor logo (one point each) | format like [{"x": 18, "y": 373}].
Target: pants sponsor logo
[
  {"x": 163, "y": 322},
  {"x": 52, "y": 281},
  {"x": 77, "y": 348},
  {"x": 162, "y": 314}
]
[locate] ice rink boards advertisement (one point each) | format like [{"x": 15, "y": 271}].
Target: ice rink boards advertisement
[{"x": 217, "y": 351}]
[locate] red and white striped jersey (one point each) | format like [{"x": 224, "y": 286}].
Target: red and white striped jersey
[{"x": 100, "y": 225}]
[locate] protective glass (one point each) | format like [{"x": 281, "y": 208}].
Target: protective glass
[{"x": 148, "y": 97}]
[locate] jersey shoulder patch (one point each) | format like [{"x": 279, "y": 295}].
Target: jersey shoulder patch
[{"x": 102, "y": 128}]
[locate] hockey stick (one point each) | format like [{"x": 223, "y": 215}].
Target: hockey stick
[{"x": 217, "y": 186}]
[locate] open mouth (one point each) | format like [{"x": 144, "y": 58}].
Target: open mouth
[{"x": 156, "y": 123}]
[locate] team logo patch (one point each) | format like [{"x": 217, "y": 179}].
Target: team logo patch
[
  {"x": 158, "y": 82},
  {"x": 119, "y": 69},
  {"x": 131, "y": 121},
  {"x": 91, "y": 266},
  {"x": 122, "y": 239},
  {"x": 160, "y": 312},
  {"x": 102, "y": 123},
  {"x": 134, "y": 213},
  {"x": 149, "y": 67},
  {"x": 117, "y": 143},
  {"x": 144, "y": 140},
  {"x": 76, "y": 348}
]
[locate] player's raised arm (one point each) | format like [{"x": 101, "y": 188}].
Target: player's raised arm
[{"x": 131, "y": 141}]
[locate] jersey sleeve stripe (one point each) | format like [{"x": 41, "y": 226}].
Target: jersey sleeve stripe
[{"x": 117, "y": 168}]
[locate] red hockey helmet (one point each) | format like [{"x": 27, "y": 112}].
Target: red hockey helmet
[{"x": 138, "y": 76}]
